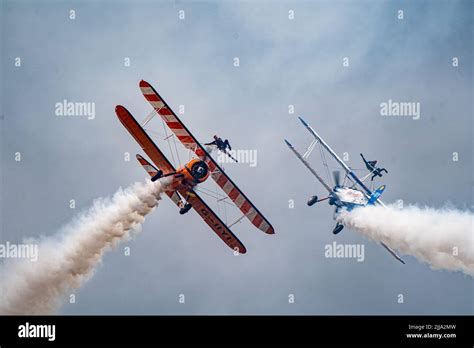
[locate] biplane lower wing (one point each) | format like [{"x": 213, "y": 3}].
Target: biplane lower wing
[
  {"x": 217, "y": 174},
  {"x": 206, "y": 213},
  {"x": 144, "y": 140},
  {"x": 214, "y": 222}
]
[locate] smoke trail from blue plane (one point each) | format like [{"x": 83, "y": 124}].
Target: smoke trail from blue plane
[{"x": 443, "y": 238}]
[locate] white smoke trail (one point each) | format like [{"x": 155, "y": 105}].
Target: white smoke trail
[
  {"x": 67, "y": 260},
  {"x": 443, "y": 238}
]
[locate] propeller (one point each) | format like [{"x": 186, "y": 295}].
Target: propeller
[{"x": 337, "y": 177}]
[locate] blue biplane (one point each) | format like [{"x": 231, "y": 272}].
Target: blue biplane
[{"x": 350, "y": 194}]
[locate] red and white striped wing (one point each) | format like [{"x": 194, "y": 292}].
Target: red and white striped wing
[
  {"x": 168, "y": 116},
  {"x": 239, "y": 199},
  {"x": 217, "y": 174},
  {"x": 206, "y": 213},
  {"x": 152, "y": 171}
]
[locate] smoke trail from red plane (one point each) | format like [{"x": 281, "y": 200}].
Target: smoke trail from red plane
[{"x": 67, "y": 260}]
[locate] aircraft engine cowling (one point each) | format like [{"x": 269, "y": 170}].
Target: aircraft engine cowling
[{"x": 198, "y": 170}]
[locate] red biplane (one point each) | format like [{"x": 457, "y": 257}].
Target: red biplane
[{"x": 179, "y": 183}]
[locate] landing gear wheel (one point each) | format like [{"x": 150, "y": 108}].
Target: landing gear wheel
[
  {"x": 185, "y": 209},
  {"x": 337, "y": 229},
  {"x": 158, "y": 175},
  {"x": 312, "y": 200}
]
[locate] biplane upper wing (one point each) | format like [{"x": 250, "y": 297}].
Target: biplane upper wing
[
  {"x": 217, "y": 174},
  {"x": 206, "y": 213}
]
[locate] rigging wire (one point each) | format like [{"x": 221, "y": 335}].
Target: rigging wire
[
  {"x": 323, "y": 159},
  {"x": 167, "y": 140},
  {"x": 154, "y": 133},
  {"x": 176, "y": 149},
  {"x": 213, "y": 196},
  {"x": 237, "y": 221},
  {"x": 148, "y": 118},
  {"x": 211, "y": 191}
]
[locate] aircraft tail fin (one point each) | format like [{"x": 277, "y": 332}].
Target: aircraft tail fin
[{"x": 376, "y": 195}]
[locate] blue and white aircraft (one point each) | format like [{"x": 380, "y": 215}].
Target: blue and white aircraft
[{"x": 353, "y": 195}]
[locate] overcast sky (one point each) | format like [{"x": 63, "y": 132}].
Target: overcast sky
[{"x": 282, "y": 62}]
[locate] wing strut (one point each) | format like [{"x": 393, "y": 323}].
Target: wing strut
[
  {"x": 326, "y": 186},
  {"x": 348, "y": 170}
]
